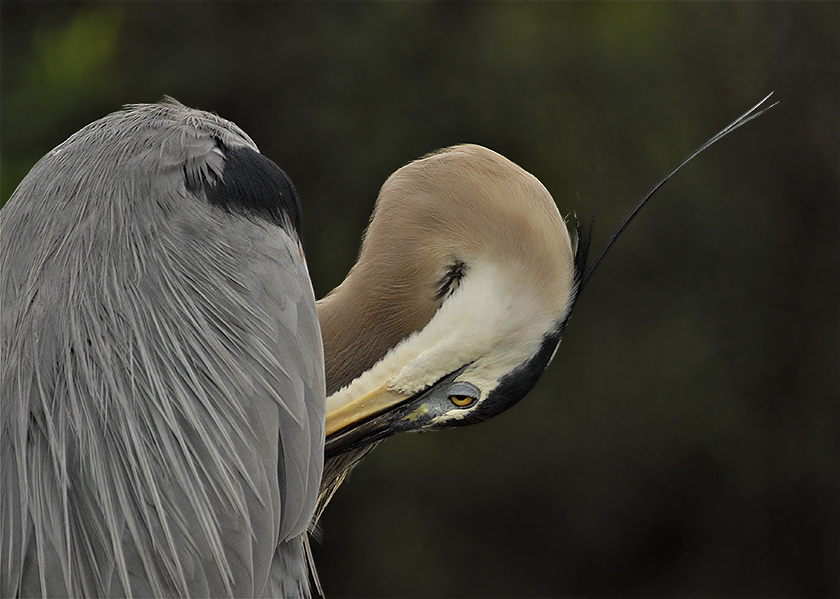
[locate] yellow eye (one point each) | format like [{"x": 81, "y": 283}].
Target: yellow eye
[
  {"x": 463, "y": 394},
  {"x": 462, "y": 401}
]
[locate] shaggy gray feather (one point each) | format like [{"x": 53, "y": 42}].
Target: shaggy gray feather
[{"x": 162, "y": 414}]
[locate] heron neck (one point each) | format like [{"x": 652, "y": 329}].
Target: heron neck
[{"x": 361, "y": 322}]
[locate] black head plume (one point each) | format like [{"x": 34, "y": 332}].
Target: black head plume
[{"x": 584, "y": 238}]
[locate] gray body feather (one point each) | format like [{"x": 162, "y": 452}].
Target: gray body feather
[{"x": 162, "y": 385}]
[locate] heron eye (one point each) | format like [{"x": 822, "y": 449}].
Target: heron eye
[
  {"x": 463, "y": 394},
  {"x": 462, "y": 401}
]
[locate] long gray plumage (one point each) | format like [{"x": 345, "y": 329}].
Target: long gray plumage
[{"x": 162, "y": 370}]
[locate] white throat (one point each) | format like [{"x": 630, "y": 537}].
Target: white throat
[{"x": 490, "y": 322}]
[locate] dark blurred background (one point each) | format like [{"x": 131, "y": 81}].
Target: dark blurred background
[{"x": 685, "y": 439}]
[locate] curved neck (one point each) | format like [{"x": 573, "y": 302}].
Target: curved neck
[{"x": 361, "y": 322}]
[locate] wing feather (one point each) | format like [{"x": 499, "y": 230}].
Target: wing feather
[{"x": 162, "y": 372}]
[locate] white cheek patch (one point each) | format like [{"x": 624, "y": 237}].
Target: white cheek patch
[{"x": 487, "y": 322}]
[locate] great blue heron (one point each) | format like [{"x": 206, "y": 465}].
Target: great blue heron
[{"x": 163, "y": 375}]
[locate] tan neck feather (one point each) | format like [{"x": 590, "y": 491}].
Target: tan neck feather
[
  {"x": 461, "y": 204},
  {"x": 360, "y": 323}
]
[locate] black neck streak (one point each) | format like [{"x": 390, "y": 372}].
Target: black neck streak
[{"x": 449, "y": 282}]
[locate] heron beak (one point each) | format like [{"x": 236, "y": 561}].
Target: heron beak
[
  {"x": 362, "y": 408},
  {"x": 361, "y": 421},
  {"x": 380, "y": 414}
]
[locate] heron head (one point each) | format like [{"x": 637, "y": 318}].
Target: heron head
[{"x": 456, "y": 304}]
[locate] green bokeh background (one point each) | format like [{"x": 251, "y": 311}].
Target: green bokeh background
[{"x": 685, "y": 440}]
